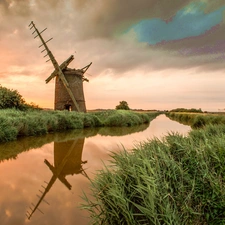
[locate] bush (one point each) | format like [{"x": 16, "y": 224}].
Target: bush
[{"x": 12, "y": 99}]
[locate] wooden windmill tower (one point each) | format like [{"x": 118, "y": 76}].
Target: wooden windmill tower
[{"x": 69, "y": 93}]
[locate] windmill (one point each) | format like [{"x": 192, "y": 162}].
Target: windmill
[
  {"x": 69, "y": 93},
  {"x": 67, "y": 161}
]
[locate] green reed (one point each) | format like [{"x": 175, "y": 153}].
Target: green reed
[
  {"x": 197, "y": 120},
  {"x": 15, "y": 123},
  {"x": 177, "y": 180}
]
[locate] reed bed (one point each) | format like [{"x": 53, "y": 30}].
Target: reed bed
[
  {"x": 197, "y": 120},
  {"x": 15, "y": 123},
  {"x": 177, "y": 180}
]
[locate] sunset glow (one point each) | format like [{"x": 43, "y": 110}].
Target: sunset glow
[{"x": 152, "y": 54}]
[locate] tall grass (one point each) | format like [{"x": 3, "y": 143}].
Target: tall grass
[
  {"x": 197, "y": 120},
  {"x": 15, "y": 123},
  {"x": 124, "y": 118},
  {"x": 177, "y": 180}
]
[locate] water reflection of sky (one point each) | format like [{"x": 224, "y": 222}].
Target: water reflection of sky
[
  {"x": 21, "y": 179},
  {"x": 157, "y": 128}
]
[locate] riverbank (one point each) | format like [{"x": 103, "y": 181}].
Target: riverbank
[
  {"x": 177, "y": 180},
  {"x": 197, "y": 120},
  {"x": 16, "y": 123}
]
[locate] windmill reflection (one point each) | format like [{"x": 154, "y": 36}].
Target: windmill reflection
[{"x": 67, "y": 161}]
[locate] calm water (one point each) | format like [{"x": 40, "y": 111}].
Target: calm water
[{"x": 49, "y": 174}]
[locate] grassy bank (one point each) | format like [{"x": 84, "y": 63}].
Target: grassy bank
[
  {"x": 15, "y": 123},
  {"x": 197, "y": 120},
  {"x": 10, "y": 150},
  {"x": 179, "y": 180}
]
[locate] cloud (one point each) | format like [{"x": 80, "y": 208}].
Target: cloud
[
  {"x": 109, "y": 18},
  {"x": 212, "y": 5},
  {"x": 95, "y": 30},
  {"x": 185, "y": 23},
  {"x": 93, "y": 18},
  {"x": 204, "y": 51}
]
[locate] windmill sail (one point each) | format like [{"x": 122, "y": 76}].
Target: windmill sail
[
  {"x": 58, "y": 69},
  {"x": 67, "y": 161}
]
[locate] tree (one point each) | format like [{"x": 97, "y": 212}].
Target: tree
[{"x": 123, "y": 105}]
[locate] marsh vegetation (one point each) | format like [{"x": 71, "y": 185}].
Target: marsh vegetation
[
  {"x": 197, "y": 120},
  {"x": 176, "y": 180},
  {"x": 15, "y": 123}
]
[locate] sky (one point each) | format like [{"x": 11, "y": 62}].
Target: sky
[{"x": 154, "y": 54}]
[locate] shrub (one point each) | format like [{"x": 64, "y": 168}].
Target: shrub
[{"x": 10, "y": 98}]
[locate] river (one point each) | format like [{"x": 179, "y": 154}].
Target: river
[{"x": 43, "y": 180}]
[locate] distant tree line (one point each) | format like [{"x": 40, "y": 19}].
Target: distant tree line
[
  {"x": 10, "y": 98},
  {"x": 187, "y": 110}
]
